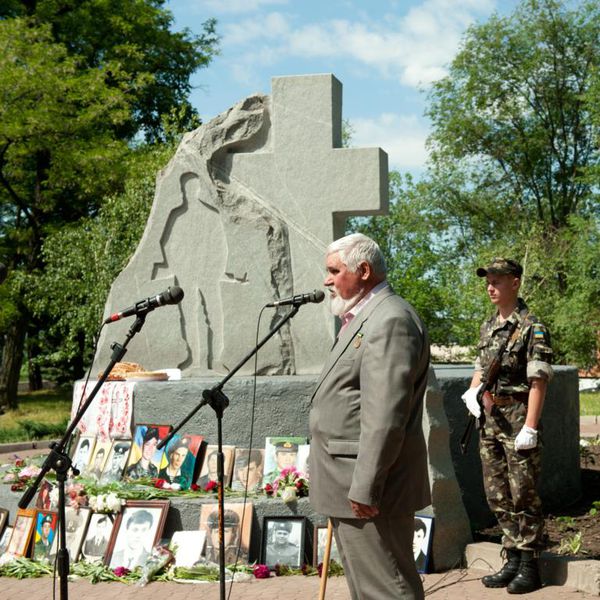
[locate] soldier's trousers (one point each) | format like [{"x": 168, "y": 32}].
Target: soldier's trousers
[{"x": 510, "y": 478}]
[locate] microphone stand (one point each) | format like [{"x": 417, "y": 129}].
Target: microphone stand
[
  {"x": 218, "y": 401},
  {"x": 60, "y": 462}
]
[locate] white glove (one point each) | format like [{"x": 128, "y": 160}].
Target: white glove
[
  {"x": 470, "y": 399},
  {"x": 526, "y": 439}
]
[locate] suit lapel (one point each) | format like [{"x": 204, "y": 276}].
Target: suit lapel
[{"x": 350, "y": 332}]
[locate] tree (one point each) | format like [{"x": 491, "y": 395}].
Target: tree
[
  {"x": 515, "y": 154},
  {"x": 79, "y": 82},
  {"x": 136, "y": 35}
]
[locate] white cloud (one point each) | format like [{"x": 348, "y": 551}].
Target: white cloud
[
  {"x": 413, "y": 49},
  {"x": 238, "y": 6},
  {"x": 401, "y": 136}
]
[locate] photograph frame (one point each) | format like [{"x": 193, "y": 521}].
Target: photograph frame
[
  {"x": 76, "y": 458},
  {"x": 27, "y": 516},
  {"x": 90, "y": 552},
  {"x": 296, "y": 530},
  {"x": 319, "y": 546},
  {"x": 137, "y": 449},
  {"x": 42, "y": 551},
  {"x": 422, "y": 541},
  {"x": 157, "y": 508},
  {"x": 117, "y": 443},
  {"x": 3, "y": 519},
  {"x": 187, "y": 547},
  {"x": 81, "y": 517}
]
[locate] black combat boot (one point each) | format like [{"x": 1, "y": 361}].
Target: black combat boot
[
  {"x": 528, "y": 577},
  {"x": 507, "y": 573}
]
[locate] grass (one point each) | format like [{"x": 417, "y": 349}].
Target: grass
[
  {"x": 589, "y": 403},
  {"x": 41, "y": 415}
]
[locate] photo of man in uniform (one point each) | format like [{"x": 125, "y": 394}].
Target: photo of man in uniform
[
  {"x": 134, "y": 542},
  {"x": 44, "y": 535},
  {"x": 144, "y": 467},
  {"x": 113, "y": 470},
  {"x": 282, "y": 547},
  {"x": 237, "y": 520},
  {"x": 248, "y": 470},
  {"x": 286, "y": 455}
]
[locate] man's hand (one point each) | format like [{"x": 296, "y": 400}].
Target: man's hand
[
  {"x": 526, "y": 439},
  {"x": 470, "y": 399},
  {"x": 363, "y": 511}
]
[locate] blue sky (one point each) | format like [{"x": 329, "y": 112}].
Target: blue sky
[{"x": 386, "y": 54}]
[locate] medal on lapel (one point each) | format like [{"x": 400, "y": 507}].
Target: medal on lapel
[{"x": 358, "y": 340}]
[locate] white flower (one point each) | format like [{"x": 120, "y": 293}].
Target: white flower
[{"x": 113, "y": 502}]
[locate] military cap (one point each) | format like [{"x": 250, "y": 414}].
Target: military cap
[
  {"x": 47, "y": 519},
  {"x": 501, "y": 266},
  {"x": 286, "y": 446},
  {"x": 150, "y": 434},
  {"x": 230, "y": 519},
  {"x": 282, "y": 526},
  {"x": 121, "y": 448}
]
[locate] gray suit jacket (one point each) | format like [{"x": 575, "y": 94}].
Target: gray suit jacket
[{"x": 367, "y": 440}]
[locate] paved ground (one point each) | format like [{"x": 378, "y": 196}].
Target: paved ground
[{"x": 459, "y": 585}]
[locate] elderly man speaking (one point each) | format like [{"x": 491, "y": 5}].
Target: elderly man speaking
[{"x": 368, "y": 462}]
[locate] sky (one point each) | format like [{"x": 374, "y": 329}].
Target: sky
[{"x": 385, "y": 53}]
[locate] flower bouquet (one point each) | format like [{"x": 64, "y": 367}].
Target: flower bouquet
[{"x": 289, "y": 485}]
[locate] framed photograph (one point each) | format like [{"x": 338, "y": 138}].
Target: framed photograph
[
  {"x": 3, "y": 519},
  {"x": 187, "y": 546},
  {"x": 76, "y": 525},
  {"x": 238, "y": 529},
  {"x": 248, "y": 469},
  {"x": 5, "y": 539},
  {"x": 283, "y": 541},
  {"x": 44, "y": 499},
  {"x": 179, "y": 460},
  {"x": 209, "y": 468},
  {"x": 116, "y": 461},
  {"x": 144, "y": 459},
  {"x": 97, "y": 536},
  {"x": 137, "y": 529},
  {"x": 422, "y": 541},
  {"x": 98, "y": 460},
  {"x": 83, "y": 452},
  {"x": 319, "y": 542},
  {"x": 46, "y": 524},
  {"x": 22, "y": 531},
  {"x": 280, "y": 453}
]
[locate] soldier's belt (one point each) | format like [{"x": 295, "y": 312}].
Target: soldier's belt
[{"x": 508, "y": 400}]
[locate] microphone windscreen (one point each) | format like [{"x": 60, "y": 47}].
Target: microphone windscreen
[
  {"x": 319, "y": 296},
  {"x": 175, "y": 295}
]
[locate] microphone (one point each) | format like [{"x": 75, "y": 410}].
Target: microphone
[
  {"x": 316, "y": 297},
  {"x": 172, "y": 295},
  {"x": 3, "y": 272}
]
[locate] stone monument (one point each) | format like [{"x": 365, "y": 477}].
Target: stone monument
[{"x": 241, "y": 217}]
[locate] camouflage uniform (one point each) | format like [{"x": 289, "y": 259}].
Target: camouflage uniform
[{"x": 511, "y": 476}]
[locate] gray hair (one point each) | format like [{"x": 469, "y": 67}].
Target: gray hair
[{"x": 356, "y": 248}]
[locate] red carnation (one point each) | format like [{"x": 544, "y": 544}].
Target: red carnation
[
  {"x": 261, "y": 572},
  {"x": 159, "y": 483},
  {"x": 194, "y": 487},
  {"x": 210, "y": 486}
]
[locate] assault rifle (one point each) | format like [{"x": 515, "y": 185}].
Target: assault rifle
[{"x": 488, "y": 379}]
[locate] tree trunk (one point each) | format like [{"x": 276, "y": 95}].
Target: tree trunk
[
  {"x": 33, "y": 369},
  {"x": 12, "y": 359}
]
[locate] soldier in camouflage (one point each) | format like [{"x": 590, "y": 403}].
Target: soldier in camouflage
[{"x": 510, "y": 446}]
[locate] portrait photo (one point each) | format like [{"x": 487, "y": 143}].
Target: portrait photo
[
  {"x": 22, "y": 532},
  {"x": 179, "y": 461},
  {"x": 319, "y": 542},
  {"x": 208, "y": 472},
  {"x": 83, "y": 453},
  {"x": 283, "y": 541},
  {"x": 116, "y": 461},
  {"x": 44, "y": 499},
  {"x": 45, "y": 532},
  {"x": 3, "y": 519},
  {"x": 188, "y": 547},
  {"x": 76, "y": 523},
  {"x": 137, "y": 529},
  {"x": 98, "y": 460},
  {"x": 144, "y": 459},
  {"x": 237, "y": 522},
  {"x": 248, "y": 469},
  {"x": 5, "y": 539},
  {"x": 97, "y": 536},
  {"x": 422, "y": 541},
  {"x": 280, "y": 453}
]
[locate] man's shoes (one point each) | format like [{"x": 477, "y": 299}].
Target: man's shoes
[
  {"x": 507, "y": 573},
  {"x": 528, "y": 577}
]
